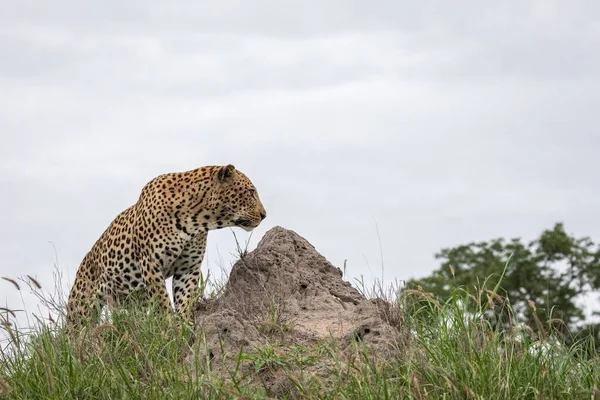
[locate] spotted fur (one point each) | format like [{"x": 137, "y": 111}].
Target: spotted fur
[{"x": 163, "y": 235}]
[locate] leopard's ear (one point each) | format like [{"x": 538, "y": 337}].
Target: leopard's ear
[{"x": 225, "y": 172}]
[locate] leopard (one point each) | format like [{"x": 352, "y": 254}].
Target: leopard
[{"x": 162, "y": 235}]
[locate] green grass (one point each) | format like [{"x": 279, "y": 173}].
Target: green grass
[{"x": 444, "y": 352}]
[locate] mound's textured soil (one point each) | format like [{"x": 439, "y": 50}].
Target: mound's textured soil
[{"x": 285, "y": 293}]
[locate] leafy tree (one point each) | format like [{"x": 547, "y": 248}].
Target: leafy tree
[{"x": 541, "y": 280}]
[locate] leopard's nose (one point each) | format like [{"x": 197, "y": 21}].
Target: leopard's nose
[{"x": 263, "y": 215}]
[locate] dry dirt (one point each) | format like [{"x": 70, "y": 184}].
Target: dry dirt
[{"x": 283, "y": 294}]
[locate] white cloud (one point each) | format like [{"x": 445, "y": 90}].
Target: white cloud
[{"x": 444, "y": 124}]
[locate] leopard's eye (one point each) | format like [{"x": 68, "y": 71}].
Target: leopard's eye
[{"x": 252, "y": 192}]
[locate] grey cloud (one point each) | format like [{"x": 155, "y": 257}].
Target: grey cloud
[
  {"x": 264, "y": 17},
  {"x": 444, "y": 41}
]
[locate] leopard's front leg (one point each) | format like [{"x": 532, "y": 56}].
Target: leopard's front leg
[
  {"x": 155, "y": 284},
  {"x": 186, "y": 276}
]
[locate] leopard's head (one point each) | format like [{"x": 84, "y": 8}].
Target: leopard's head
[{"x": 236, "y": 199}]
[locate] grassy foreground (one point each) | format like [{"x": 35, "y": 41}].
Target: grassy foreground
[{"x": 444, "y": 353}]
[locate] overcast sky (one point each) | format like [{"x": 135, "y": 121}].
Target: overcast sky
[{"x": 441, "y": 122}]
